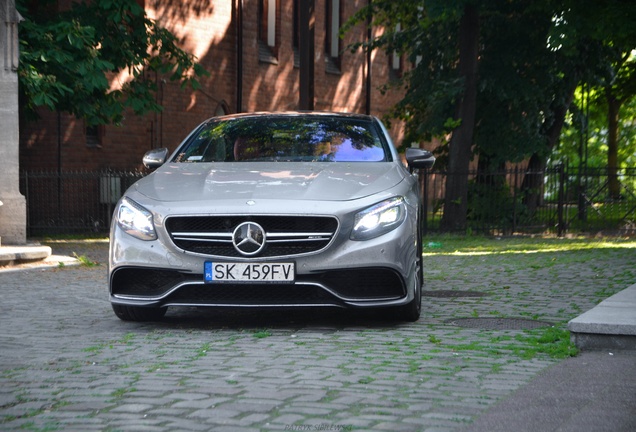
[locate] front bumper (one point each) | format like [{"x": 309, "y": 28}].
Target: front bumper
[
  {"x": 336, "y": 288},
  {"x": 373, "y": 273}
]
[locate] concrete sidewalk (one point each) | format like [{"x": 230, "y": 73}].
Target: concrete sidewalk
[
  {"x": 592, "y": 392},
  {"x": 33, "y": 255},
  {"x": 595, "y": 391},
  {"x": 17, "y": 254}
]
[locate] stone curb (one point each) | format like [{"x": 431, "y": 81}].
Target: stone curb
[
  {"x": 9, "y": 254},
  {"x": 609, "y": 325}
]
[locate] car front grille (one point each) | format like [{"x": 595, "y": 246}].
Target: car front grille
[{"x": 286, "y": 235}]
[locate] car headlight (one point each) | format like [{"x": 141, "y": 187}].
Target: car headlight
[
  {"x": 379, "y": 219},
  {"x": 135, "y": 220}
]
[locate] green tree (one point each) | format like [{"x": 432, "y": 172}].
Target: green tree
[
  {"x": 69, "y": 57},
  {"x": 531, "y": 56},
  {"x": 619, "y": 89},
  {"x": 585, "y": 135},
  {"x": 483, "y": 75},
  {"x": 462, "y": 138},
  {"x": 610, "y": 82},
  {"x": 442, "y": 41}
]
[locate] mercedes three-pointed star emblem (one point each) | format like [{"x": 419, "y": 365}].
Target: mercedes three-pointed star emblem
[{"x": 248, "y": 238}]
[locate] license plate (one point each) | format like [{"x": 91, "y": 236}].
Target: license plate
[{"x": 248, "y": 272}]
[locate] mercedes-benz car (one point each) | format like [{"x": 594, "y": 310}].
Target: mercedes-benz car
[{"x": 273, "y": 210}]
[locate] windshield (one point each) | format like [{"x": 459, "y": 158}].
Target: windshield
[{"x": 286, "y": 138}]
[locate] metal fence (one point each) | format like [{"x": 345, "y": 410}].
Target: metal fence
[
  {"x": 72, "y": 202},
  {"x": 557, "y": 200}
]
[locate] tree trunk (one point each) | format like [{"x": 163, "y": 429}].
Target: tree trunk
[
  {"x": 614, "y": 106},
  {"x": 532, "y": 185},
  {"x": 456, "y": 196}
]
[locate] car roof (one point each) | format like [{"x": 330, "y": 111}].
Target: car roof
[{"x": 260, "y": 114}]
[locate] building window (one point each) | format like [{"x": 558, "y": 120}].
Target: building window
[
  {"x": 222, "y": 109},
  {"x": 296, "y": 33},
  {"x": 396, "y": 67},
  {"x": 94, "y": 136},
  {"x": 333, "y": 15},
  {"x": 267, "y": 23}
]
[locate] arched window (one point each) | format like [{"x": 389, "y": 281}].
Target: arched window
[{"x": 222, "y": 109}]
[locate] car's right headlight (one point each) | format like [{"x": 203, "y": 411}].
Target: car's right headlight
[
  {"x": 379, "y": 219},
  {"x": 136, "y": 220}
]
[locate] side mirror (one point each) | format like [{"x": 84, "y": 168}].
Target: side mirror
[
  {"x": 155, "y": 158},
  {"x": 419, "y": 159}
]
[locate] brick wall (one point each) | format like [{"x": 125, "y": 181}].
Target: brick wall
[{"x": 208, "y": 30}]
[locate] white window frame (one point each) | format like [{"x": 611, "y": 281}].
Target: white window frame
[
  {"x": 396, "y": 61},
  {"x": 271, "y": 23},
  {"x": 334, "y": 49}
]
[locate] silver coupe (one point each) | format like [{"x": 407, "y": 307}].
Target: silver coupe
[{"x": 275, "y": 210}]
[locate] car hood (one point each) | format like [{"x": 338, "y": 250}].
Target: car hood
[{"x": 262, "y": 180}]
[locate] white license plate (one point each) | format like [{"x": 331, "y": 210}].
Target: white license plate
[{"x": 248, "y": 272}]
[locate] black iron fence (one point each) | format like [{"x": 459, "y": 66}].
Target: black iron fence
[
  {"x": 555, "y": 200},
  {"x": 72, "y": 202}
]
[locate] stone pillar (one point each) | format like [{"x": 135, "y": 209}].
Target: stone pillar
[{"x": 13, "y": 208}]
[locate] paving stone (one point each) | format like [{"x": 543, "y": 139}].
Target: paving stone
[
  {"x": 316, "y": 410},
  {"x": 254, "y": 419},
  {"x": 249, "y": 406},
  {"x": 132, "y": 408},
  {"x": 234, "y": 428},
  {"x": 197, "y": 403},
  {"x": 67, "y": 360},
  {"x": 397, "y": 427},
  {"x": 287, "y": 419},
  {"x": 180, "y": 423},
  {"x": 214, "y": 414}
]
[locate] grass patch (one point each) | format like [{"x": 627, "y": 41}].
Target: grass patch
[
  {"x": 549, "y": 341},
  {"x": 366, "y": 380},
  {"x": 482, "y": 245},
  {"x": 261, "y": 334},
  {"x": 121, "y": 392},
  {"x": 434, "y": 339},
  {"x": 203, "y": 351},
  {"x": 85, "y": 261}
]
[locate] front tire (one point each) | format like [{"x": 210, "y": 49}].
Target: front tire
[{"x": 137, "y": 313}]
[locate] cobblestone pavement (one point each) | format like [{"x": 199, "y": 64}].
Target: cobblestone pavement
[{"x": 67, "y": 363}]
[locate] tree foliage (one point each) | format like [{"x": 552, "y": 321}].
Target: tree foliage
[
  {"x": 533, "y": 54},
  {"x": 586, "y": 132},
  {"x": 601, "y": 115},
  {"x": 521, "y": 77},
  {"x": 68, "y": 59}
]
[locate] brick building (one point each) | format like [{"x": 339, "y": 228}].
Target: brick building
[{"x": 251, "y": 49}]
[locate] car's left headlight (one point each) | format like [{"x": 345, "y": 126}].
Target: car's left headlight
[
  {"x": 136, "y": 220},
  {"x": 379, "y": 219}
]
